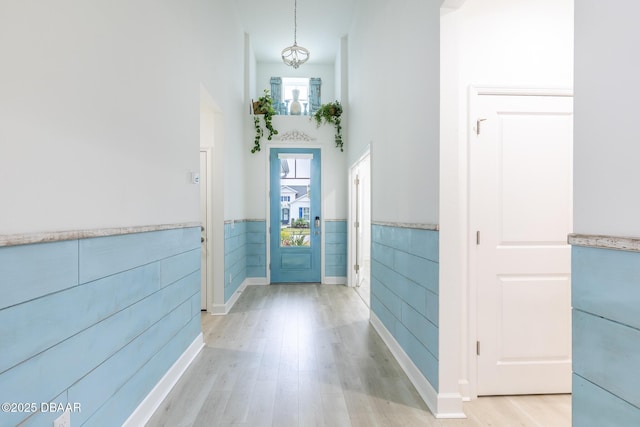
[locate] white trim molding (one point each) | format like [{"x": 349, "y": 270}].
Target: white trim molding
[
  {"x": 151, "y": 403},
  {"x": 295, "y": 135},
  {"x": 441, "y": 405},
  {"x": 256, "y": 281},
  {"x": 224, "y": 309},
  {"x": 334, "y": 280},
  {"x": 507, "y": 91}
]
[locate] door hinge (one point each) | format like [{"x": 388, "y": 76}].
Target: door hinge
[
  {"x": 478, "y": 348},
  {"x": 356, "y": 267},
  {"x": 269, "y": 266},
  {"x": 356, "y": 181},
  {"x": 356, "y": 224},
  {"x": 478, "y": 125},
  {"x": 478, "y": 237}
]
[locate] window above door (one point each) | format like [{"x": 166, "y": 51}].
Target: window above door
[{"x": 296, "y": 95}]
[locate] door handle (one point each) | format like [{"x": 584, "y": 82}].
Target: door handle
[{"x": 317, "y": 222}]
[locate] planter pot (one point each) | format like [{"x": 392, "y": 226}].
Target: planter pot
[{"x": 257, "y": 108}]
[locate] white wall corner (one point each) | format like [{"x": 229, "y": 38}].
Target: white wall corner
[
  {"x": 441, "y": 405},
  {"x": 151, "y": 403},
  {"x": 223, "y": 309}
]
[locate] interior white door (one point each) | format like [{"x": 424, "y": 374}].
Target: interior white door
[
  {"x": 204, "y": 194},
  {"x": 361, "y": 214},
  {"x": 521, "y": 213}
]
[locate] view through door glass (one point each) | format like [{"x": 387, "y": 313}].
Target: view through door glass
[{"x": 295, "y": 202}]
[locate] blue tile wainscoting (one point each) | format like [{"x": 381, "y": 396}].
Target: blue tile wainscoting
[
  {"x": 245, "y": 254},
  {"x": 235, "y": 257},
  {"x": 335, "y": 252},
  {"x": 257, "y": 248},
  {"x": 245, "y": 249},
  {"x": 96, "y": 322},
  {"x": 404, "y": 298},
  {"x": 606, "y": 331}
]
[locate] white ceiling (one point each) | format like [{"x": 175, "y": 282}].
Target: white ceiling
[{"x": 321, "y": 24}]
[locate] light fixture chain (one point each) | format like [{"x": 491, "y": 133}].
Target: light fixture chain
[{"x": 295, "y": 21}]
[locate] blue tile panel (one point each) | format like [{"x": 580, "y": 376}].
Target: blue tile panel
[
  {"x": 95, "y": 321},
  {"x": 257, "y": 249},
  {"x": 335, "y": 252},
  {"x": 404, "y": 291},
  {"x": 235, "y": 257},
  {"x": 606, "y": 337},
  {"x": 245, "y": 253}
]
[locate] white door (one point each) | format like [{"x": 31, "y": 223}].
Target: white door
[
  {"x": 361, "y": 226},
  {"x": 521, "y": 213},
  {"x": 204, "y": 195}
]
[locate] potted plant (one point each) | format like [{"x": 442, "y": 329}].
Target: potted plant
[
  {"x": 330, "y": 113},
  {"x": 263, "y": 107}
]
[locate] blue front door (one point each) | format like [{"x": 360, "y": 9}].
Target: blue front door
[{"x": 295, "y": 215}]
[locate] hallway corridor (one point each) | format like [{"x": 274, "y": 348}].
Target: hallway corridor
[{"x": 305, "y": 355}]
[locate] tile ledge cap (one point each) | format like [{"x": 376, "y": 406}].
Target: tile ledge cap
[
  {"x": 419, "y": 226},
  {"x": 59, "y": 236},
  {"x": 631, "y": 244}
]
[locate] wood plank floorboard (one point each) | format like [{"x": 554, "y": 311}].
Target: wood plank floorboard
[{"x": 306, "y": 355}]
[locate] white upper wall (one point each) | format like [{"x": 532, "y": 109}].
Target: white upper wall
[
  {"x": 515, "y": 43},
  {"x": 223, "y": 55},
  {"x": 393, "y": 104},
  {"x": 100, "y": 110},
  {"x": 607, "y": 136}
]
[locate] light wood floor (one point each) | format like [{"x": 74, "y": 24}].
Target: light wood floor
[{"x": 305, "y": 355}]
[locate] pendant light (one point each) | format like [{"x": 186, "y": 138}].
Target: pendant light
[{"x": 295, "y": 55}]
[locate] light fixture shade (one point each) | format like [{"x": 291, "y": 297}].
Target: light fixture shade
[{"x": 295, "y": 55}]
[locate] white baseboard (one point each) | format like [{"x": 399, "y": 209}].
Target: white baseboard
[
  {"x": 223, "y": 309},
  {"x": 151, "y": 403},
  {"x": 465, "y": 390},
  {"x": 334, "y": 280},
  {"x": 441, "y": 405},
  {"x": 257, "y": 281},
  {"x": 450, "y": 406}
]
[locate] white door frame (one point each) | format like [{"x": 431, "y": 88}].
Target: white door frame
[
  {"x": 212, "y": 141},
  {"x": 351, "y": 234},
  {"x": 205, "y": 179},
  {"x": 469, "y": 243}
]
